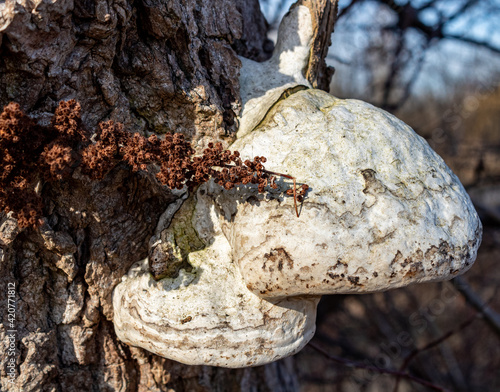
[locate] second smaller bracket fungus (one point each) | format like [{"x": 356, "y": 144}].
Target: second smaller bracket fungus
[
  {"x": 207, "y": 316},
  {"x": 383, "y": 211}
]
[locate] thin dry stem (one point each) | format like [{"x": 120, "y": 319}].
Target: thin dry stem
[
  {"x": 360, "y": 365},
  {"x": 294, "y": 187}
]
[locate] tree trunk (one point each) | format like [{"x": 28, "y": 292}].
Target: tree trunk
[{"x": 155, "y": 66}]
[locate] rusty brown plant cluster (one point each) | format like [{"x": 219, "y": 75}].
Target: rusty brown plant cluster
[
  {"x": 31, "y": 153},
  {"x": 175, "y": 157}
]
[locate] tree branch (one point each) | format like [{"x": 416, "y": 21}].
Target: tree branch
[
  {"x": 473, "y": 299},
  {"x": 472, "y": 41},
  {"x": 432, "y": 344},
  {"x": 360, "y": 365},
  {"x": 324, "y": 15},
  {"x": 347, "y": 8},
  {"x": 460, "y": 11}
]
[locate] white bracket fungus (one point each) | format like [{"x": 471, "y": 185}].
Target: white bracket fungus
[
  {"x": 207, "y": 316},
  {"x": 383, "y": 211}
]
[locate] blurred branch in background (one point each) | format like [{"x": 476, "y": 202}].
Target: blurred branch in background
[
  {"x": 474, "y": 300},
  {"x": 399, "y": 334},
  {"x": 433, "y": 344},
  {"x": 405, "y": 31},
  {"x": 360, "y": 365},
  {"x": 391, "y": 48}
]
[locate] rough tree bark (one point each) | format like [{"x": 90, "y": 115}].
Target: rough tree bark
[{"x": 156, "y": 66}]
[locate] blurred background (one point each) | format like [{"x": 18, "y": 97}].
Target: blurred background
[{"x": 436, "y": 65}]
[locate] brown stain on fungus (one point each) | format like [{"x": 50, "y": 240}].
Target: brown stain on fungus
[
  {"x": 354, "y": 280},
  {"x": 278, "y": 257},
  {"x": 372, "y": 184},
  {"x": 415, "y": 269},
  {"x": 397, "y": 258},
  {"x": 368, "y": 175}
]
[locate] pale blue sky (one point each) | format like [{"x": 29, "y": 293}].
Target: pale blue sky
[{"x": 446, "y": 63}]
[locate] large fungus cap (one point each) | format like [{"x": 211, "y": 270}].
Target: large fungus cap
[{"x": 383, "y": 210}]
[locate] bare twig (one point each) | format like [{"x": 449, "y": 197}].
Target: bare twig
[
  {"x": 414, "y": 76},
  {"x": 394, "y": 72},
  {"x": 473, "y": 41},
  {"x": 360, "y": 365},
  {"x": 491, "y": 317},
  {"x": 453, "y": 369},
  {"x": 294, "y": 187},
  {"x": 432, "y": 344},
  {"x": 459, "y": 12},
  {"x": 346, "y": 9}
]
